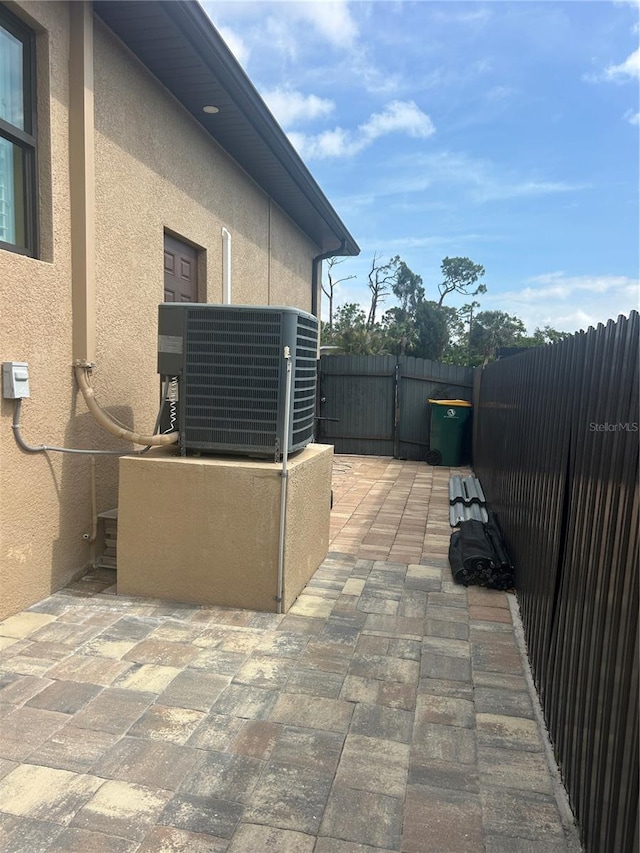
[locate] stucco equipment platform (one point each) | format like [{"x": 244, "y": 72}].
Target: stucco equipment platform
[{"x": 205, "y": 529}]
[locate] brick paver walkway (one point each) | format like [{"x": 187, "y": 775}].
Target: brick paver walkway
[{"x": 387, "y": 711}]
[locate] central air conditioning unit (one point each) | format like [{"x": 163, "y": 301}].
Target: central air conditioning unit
[{"x": 224, "y": 371}]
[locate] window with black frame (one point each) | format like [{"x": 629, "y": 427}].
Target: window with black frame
[{"x": 18, "y": 191}]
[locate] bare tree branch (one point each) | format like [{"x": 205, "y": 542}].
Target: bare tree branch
[
  {"x": 332, "y": 283},
  {"x": 381, "y": 278}
]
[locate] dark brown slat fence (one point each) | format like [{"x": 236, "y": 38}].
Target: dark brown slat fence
[
  {"x": 377, "y": 404},
  {"x": 556, "y": 449}
]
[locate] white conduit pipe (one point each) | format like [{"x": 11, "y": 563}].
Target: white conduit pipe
[
  {"x": 226, "y": 267},
  {"x": 109, "y": 424},
  {"x": 284, "y": 481},
  {"x": 94, "y": 502},
  {"x": 46, "y": 448}
]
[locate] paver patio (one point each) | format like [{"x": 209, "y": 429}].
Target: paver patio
[{"x": 387, "y": 711}]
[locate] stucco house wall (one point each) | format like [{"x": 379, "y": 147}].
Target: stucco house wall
[{"x": 155, "y": 169}]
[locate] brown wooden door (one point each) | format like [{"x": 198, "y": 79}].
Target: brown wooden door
[{"x": 180, "y": 271}]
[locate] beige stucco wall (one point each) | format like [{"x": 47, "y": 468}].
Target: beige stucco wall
[
  {"x": 308, "y": 511},
  {"x": 155, "y": 169},
  {"x": 206, "y": 529},
  {"x": 171, "y": 175},
  {"x": 43, "y": 502}
]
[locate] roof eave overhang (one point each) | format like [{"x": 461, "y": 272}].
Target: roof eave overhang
[{"x": 272, "y": 162}]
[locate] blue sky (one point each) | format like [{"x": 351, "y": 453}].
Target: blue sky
[{"x": 504, "y": 131}]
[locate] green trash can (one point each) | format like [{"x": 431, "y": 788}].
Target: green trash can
[{"x": 449, "y": 419}]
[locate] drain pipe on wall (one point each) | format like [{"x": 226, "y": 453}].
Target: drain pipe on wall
[
  {"x": 82, "y": 195},
  {"x": 82, "y": 182},
  {"x": 226, "y": 267},
  {"x": 315, "y": 283},
  {"x": 284, "y": 474},
  {"x": 315, "y": 286},
  {"x": 94, "y": 503}
]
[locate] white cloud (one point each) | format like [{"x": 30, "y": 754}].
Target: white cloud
[
  {"x": 479, "y": 16},
  {"x": 292, "y": 31},
  {"x": 568, "y": 285},
  {"x": 329, "y": 21},
  {"x": 636, "y": 4},
  {"x": 397, "y": 117},
  {"x": 283, "y": 28},
  {"x": 276, "y": 36},
  {"x": 498, "y": 94},
  {"x": 569, "y": 303},
  {"x": 291, "y": 107},
  {"x": 288, "y": 26},
  {"x": 492, "y": 190},
  {"x": 333, "y": 20},
  {"x": 630, "y": 68},
  {"x": 372, "y": 76},
  {"x": 329, "y": 143},
  {"x": 481, "y": 180},
  {"x": 621, "y": 73},
  {"x": 397, "y": 244},
  {"x": 235, "y": 44}
]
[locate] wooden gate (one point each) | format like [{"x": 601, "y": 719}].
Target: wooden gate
[{"x": 377, "y": 405}]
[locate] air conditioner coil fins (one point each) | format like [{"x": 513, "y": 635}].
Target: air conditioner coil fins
[{"x": 230, "y": 364}]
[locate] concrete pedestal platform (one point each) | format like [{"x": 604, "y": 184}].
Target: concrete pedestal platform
[{"x": 205, "y": 530}]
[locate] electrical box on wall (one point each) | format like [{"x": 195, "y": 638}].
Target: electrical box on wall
[{"x": 15, "y": 380}]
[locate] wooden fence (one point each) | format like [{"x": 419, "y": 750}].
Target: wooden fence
[{"x": 377, "y": 404}]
